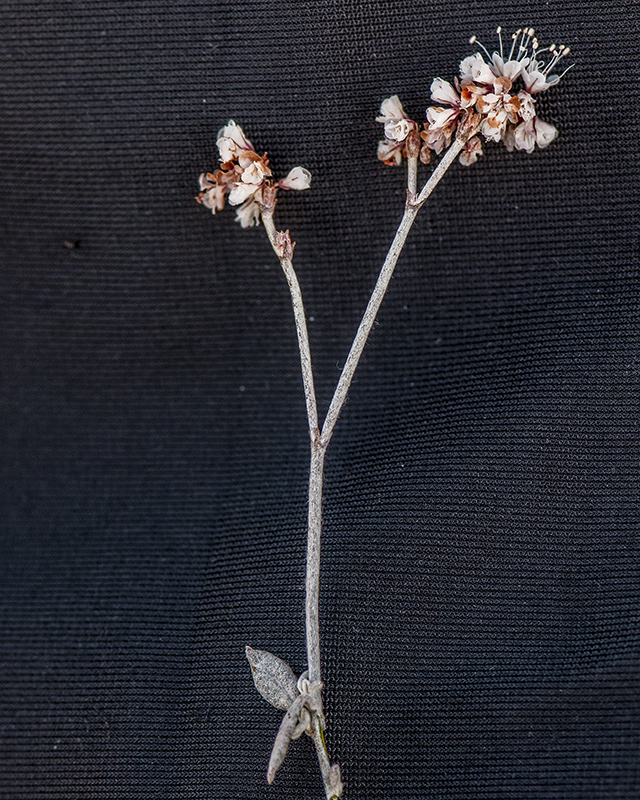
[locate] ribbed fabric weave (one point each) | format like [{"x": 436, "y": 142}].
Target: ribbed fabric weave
[{"x": 480, "y": 576}]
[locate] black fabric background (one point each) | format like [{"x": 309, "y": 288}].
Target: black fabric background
[{"x": 480, "y": 589}]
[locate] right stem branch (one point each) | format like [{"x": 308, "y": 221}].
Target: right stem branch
[{"x": 375, "y": 301}]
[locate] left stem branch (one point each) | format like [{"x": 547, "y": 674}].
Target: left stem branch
[{"x": 301, "y": 324}]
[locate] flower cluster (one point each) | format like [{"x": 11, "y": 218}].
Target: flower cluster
[
  {"x": 243, "y": 176},
  {"x": 484, "y": 99}
]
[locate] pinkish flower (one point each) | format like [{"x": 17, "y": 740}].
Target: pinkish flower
[
  {"x": 253, "y": 174},
  {"x": 244, "y": 176},
  {"x": 536, "y": 75},
  {"x": 508, "y": 117},
  {"x": 397, "y": 126},
  {"x": 212, "y": 194},
  {"x": 390, "y": 152},
  {"x": 534, "y": 132},
  {"x": 298, "y": 178},
  {"x": 472, "y": 149}
]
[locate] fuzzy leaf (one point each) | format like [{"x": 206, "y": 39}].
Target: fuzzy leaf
[
  {"x": 273, "y": 677},
  {"x": 289, "y": 729}
]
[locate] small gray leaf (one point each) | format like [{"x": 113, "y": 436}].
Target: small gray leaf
[
  {"x": 304, "y": 723},
  {"x": 288, "y": 727},
  {"x": 273, "y": 677}
]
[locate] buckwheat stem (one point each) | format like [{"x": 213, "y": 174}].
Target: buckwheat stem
[
  {"x": 412, "y": 174},
  {"x": 375, "y": 301},
  {"x": 320, "y": 440},
  {"x": 301, "y": 324}
]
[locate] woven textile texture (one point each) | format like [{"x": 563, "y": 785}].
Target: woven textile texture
[{"x": 480, "y": 586}]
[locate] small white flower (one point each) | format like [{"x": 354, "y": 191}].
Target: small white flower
[
  {"x": 298, "y": 178},
  {"x": 439, "y": 138},
  {"x": 493, "y": 127},
  {"x": 474, "y": 69},
  {"x": 545, "y": 132},
  {"x": 255, "y": 173},
  {"x": 212, "y": 197},
  {"x": 231, "y": 142},
  {"x": 241, "y": 191},
  {"x": 391, "y": 108},
  {"x": 533, "y": 132},
  {"x": 536, "y": 77},
  {"x": 508, "y": 69},
  {"x": 523, "y": 60},
  {"x": 213, "y": 190},
  {"x": 397, "y": 124},
  {"x": 398, "y": 130},
  {"x": 390, "y": 152},
  {"x": 472, "y": 149},
  {"x": 527, "y": 106},
  {"x": 248, "y": 214},
  {"x": 441, "y": 117},
  {"x": 443, "y": 92}
]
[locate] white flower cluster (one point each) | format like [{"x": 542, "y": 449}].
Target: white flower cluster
[
  {"x": 483, "y": 99},
  {"x": 243, "y": 175}
]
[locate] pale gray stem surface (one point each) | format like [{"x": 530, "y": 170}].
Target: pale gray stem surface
[
  {"x": 301, "y": 325},
  {"x": 375, "y": 301},
  {"x": 332, "y": 787},
  {"x": 316, "y": 473},
  {"x": 412, "y": 174},
  {"x": 445, "y": 162}
]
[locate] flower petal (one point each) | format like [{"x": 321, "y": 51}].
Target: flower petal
[
  {"x": 391, "y": 108},
  {"x": 233, "y": 131},
  {"x": 440, "y": 117},
  {"x": 390, "y": 152},
  {"x": 248, "y": 215},
  {"x": 241, "y": 191},
  {"x": 443, "y": 92},
  {"x": 398, "y": 130},
  {"x": 545, "y": 132}
]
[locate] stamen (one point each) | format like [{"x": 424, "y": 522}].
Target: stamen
[
  {"x": 476, "y": 41},
  {"x": 571, "y": 66},
  {"x": 499, "y": 32},
  {"x": 513, "y": 42}
]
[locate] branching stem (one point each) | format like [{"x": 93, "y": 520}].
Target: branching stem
[{"x": 320, "y": 439}]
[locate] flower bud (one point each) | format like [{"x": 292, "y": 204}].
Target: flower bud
[
  {"x": 413, "y": 144},
  {"x": 285, "y": 244},
  {"x": 269, "y": 193}
]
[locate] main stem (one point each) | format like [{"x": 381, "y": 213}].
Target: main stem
[{"x": 316, "y": 474}]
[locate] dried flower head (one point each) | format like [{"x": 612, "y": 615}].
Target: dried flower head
[
  {"x": 397, "y": 126},
  {"x": 485, "y": 99},
  {"x": 244, "y": 176},
  {"x": 507, "y": 114}
]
